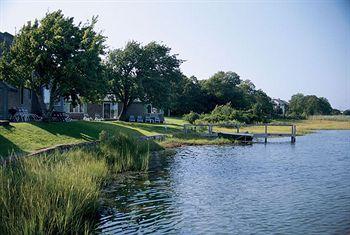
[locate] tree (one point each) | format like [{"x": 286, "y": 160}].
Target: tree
[
  {"x": 346, "y": 112},
  {"x": 57, "y": 55},
  {"x": 222, "y": 89},
  {"x": 262, "y": 106},
  {"x": 296, "y": 104},
  {"x": 309, "y": 105},
  {"x": 141, "y": 72},
  {"x": 190, "y": 97}
]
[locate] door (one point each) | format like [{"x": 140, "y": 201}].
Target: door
[{"x": 107, "y": 110}]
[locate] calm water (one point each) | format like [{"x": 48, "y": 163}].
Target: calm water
[{"x": 259, "y": 189}]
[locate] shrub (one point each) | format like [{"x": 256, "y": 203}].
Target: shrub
[
  {"x": 346, "y": 112},
  {"x": 227, "y": 114},
  {"x": 191, "y": 117}
]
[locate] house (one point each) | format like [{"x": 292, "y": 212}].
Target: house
[
  {"x": 13, "y": 97},
  {"x": 280, "y": 106},
  {"x": 19, "y": 97},
  {"x": 109, "y": 110}
]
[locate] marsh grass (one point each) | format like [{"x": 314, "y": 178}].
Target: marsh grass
[
  {"x": 330, "y": 117},
  {"x": 59, "y": 193},
  {"x": 124, "y": 153}
]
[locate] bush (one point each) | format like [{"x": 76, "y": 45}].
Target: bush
[
  {"x": 227, "y": 114},
  {"x": 346, "y": 112},
  {"x": 191, "y": 117}
]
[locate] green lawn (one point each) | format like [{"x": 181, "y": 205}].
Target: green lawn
[{"x": 28, "y": 137}]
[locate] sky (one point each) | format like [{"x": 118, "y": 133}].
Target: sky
[{"x": 283, "y": 47}]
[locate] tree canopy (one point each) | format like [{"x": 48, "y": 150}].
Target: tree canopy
[
  {"x": 309, "y": 105},
  {"x": 147, "y": 73},
  {"x": 58, "y": 55}
]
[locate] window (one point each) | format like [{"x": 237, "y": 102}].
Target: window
[{"x": 77, "y": 109}]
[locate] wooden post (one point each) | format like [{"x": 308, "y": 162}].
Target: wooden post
[
  {"x": 265, "y": 133},
  {"x": 210, "y": 129},
  {"x": 294, "y": 130}
]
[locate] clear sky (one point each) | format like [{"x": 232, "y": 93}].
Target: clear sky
[{"x": 283, "y": 47}]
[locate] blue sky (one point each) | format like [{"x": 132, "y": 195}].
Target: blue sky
[{"x": 283, "y": 47}]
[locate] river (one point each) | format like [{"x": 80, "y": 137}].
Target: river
[{"x": 255, "y": 189}]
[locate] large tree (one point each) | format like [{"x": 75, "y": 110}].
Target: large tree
[
  {"x": 57, "y": 55},
  {"x": 189, "y": 97},
  {"x": 147, "y": 73},
  {"x": 222, "y": 88},
  {"x": 309, "y": 105}
]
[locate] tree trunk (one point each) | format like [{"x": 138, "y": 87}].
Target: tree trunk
[
  {"x": 122, "y": 115},
  {"x": 43, "y": 108}
]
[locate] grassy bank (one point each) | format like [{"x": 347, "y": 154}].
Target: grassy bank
[
  {"x": 59, "y": 193},
  {"x": 28, "y": 137}
]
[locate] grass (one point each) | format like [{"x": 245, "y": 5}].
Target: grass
[
  {"x": 330, "y": 117},
  {"x": 29, "y": 137},
  {"x": 303, "y": 126},
  {"x": 59, "y": 193}
]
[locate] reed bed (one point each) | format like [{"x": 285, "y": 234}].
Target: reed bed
[
  {"x": 330, "y": 117},
  {"x": 59, "y": 193}
]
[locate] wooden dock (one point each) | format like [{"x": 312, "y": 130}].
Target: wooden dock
[{"x": 245, "y": 136}]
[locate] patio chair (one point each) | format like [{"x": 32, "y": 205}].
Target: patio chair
[
  {"x": 22, "y": 115},
  {"x": 148, "y": 118},
  {"x": 87, "y": 117},
  {"x": 139, "y": 119},
  {"x": 157, "y": 119},
  {"x": 131, "y": 118},
  {"x": 98, "y": 118},
  {"x": 35, "y": 117},
  {"x": 67, "y": 118}
]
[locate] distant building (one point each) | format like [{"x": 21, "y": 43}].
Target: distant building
[
  {"x": 280, "y": 106},
  {"x": 10, "y": 96}
]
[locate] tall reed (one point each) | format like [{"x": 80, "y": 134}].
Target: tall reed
[
  {"x": 124, "y": 153},
  {"x": 59, "y": 193},
  {"x": 330, "y": 117}
]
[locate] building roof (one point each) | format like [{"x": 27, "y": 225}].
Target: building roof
[
  {"x": 8, "y": 86},
  {"x": 280, "y": 102}
]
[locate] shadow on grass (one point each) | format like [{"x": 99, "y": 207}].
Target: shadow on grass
[
  {"x": 89, "y": 131},
  {"x": 7, "y": 148}
]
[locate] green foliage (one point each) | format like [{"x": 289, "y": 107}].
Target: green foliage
[
  {"x": 141, "y": 72},
  {"x": 336, "y": 112},
  {"x": 222, "y": 88},
  {"x": 189, "y": 96},
  {"x": 56, "y": 54},
  {"x": 227, "y": 114},
  {"x": 51, "y": 194},
  {"x": 346, "y": 112},
  {"x": 123, "y": 152},
  {"x": 191, "y": 117},
  {"x": 59, "y": 193},
  {"x": 301, "y": 105}
]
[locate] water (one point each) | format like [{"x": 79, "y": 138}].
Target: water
[{"x": 258, "y": 189}]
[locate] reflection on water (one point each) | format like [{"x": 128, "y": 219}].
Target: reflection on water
[{"x": 273, "y": 188}]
